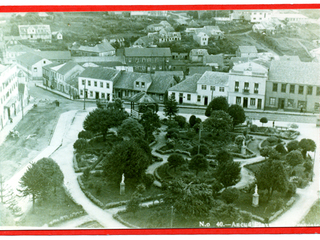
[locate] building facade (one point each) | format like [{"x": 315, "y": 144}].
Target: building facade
[{"x": 35, "y": 32}]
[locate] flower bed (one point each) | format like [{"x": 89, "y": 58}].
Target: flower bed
[{"x": 66, "y": 218}]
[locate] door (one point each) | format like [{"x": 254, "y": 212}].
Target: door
[
  {"x": 97, "y": 95},
  {"x": 281, "y": 103},
  {"x": 245, "y": 102},
  {"x": 259, "y": 103},
  {"x": 205, "y": 100},
  {"x": 180, "y": 98}
]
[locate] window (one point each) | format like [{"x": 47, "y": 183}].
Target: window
[
  {"x": 91, "y": 94},
  {"x": 137, "y": 84},
  {"x": 238, "y": 100},
  {"x": 103, "y": 95},
  {"x": 83, "y": 82},
  {"x": 318, "y": 91},
  {"x": 272, "y": 101},
  {"x": 310, "y": 88},
  {"x": 188, "y": 97},
  {"x": 35, "y": 69},
  {"x": 236, "y": 86},
  {"x": 252, "y": 101},
  {"x": 292, "y": 88},
  {"x": 199, "y": 98},
  {"x": 44, "y": 62},
  {"x": 108, "y": 96},
  {"x": 283, "y": 87},
  {"x": 290, "y": 103},
  {"x": 221, "y": 89},
  {"x": 302, "y": 104},
  {"x": 275, "y": 87},
  {"x": 256, "y": 88},
  {"x": 316, "y": 106},
  {"x": 95, "y": 83},
  {"x": 161, "y": 97},
  {"x": 89, "y": 83},
  {"x": 246, "y": 87},
  {"x": 101, "y": 84},
  {"x": 142, "y": 84},
  {"x": 203, "y": 87},
  {"x": 300, "y": 89},
  {"x": 108, "y": 85},
  {"x": 81, "y": 92},
  {"x": 212, "y": 88}
]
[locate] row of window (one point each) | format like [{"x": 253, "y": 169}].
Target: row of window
[
  {"x": 212, "y": 88},
  {"x": 3, "y": 99},
  {"x": 149, "y": 60},
  {"x": 252, "y": 101},
  {"x": 140, "y": 84},
  {"x": 95, "y": 83},
  {"x": 246, "y": 87},
  {"x": 291, "y": 103},
  {"x": 98, "y": 95},
  {"x": 292, "y": 88}
]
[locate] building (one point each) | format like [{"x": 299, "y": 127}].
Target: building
[
  {"x": 32, "y": 65},
  {"x": 179, "y": 56},
  {"x": 175, "y": 74},
  {"x": 198, "y": 69},
  {"x": 293, "y": 86},
  {"x": 12, "y": 51},
  {"x": 55, "y": 56},
  {"x": 213, "y": 32},
  {"x": 197, "y": 55},
  {"x": 165, "y": 36},
  {"x": 97, "y": 83},
  {"x": 35, "y": 32},
  {"x": 143, "y": 42},
  {"x": 103, "y": 49},
  {"x": 214, "y": 61},
  {"x": 13, "y": 92},
  {"x": 154, "y": 27},
  {"x": 148, "y": 59},
  {"x": 247, "y": 51},
  {"x": 292, "y": 18},
  {"x": 57, "y": 76},
  {"x": 254, "y": 16},
  {"x": 247, "y": 85},
  {"x": 139, "y": 15},
  {"x": 201, "y": 38},
  {"x": 57, "y": 36}
]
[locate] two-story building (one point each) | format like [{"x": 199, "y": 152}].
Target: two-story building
[
  {"x": 201, "y": 38},
  {"x": 293, "y": 86},
  {"x": 103, "y": 49},
  {"x": 197, "y": 55},
  {"x": 97, "y": 83},
  {"x": 32, "y": 65},
  {"x": 35, "y": 32},
  {"x": 148, "y": 59},
  {"x": 144, "y": 41},
  {"x": 247, "y": 85},
  {"x": 247, "y": 51}
]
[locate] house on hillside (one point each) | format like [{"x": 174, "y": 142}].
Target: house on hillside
[
  {"x": 57, "y": 76},
  {"x": 143, "y": 42},
  {"x": 57, "y": 36},
  {"x": 35, "y": 32},
  {"x": 97, "y": 83},
  {"x": 201, "y": 38},
  {"x": 247, "y": 85},
  {"x": 197, "y": 55},
  {"x": 12, "y": 51},
  {"x": 148, "y": 59},
  {"x": 103, "y": 49},
  {"x": 293, "y": 86},
  {"x": 32, "y": 65},
  {"x": 247, "y": 51}
]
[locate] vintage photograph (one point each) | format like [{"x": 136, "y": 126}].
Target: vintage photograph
[{"x": 159, "y": 119}]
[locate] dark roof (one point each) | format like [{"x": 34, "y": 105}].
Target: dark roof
[
  {"x": 146, "y": 40},
  {"x": 188, "y": 85},
  {"x": 141, "y": 97},
  {"x": 200, "y": 70},
  {"x": 67, "y": 67},
  {"x": 126, "y": 79},
  {"x": 29, "y": 59},
  {"x": 295, "y": 72},
  {"x": 214, "y": 59},
  {"x": 51, "y": 65},
  {"x": 147, "y": 52},
  {"x": 99, "y": 73},
  {"x": 217, "y": 78},
  {"x": 161, "y": 84}
]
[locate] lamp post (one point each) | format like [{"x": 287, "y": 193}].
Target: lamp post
[{"x": 84, "y": 98}]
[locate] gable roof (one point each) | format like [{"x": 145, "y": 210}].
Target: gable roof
[
  {"x": 200, "y": 69},
  {"x": 147, "y": 52},
  {"x": 295, "y": 72},
  {"x": 161, "y": 83},
  {"x": 67, "y": 67},
  {"x": 214, "y": 59},
  {"x": 126, "y": 79},
  {"x": 189, "y": 85},
  {"x": 145, "y": 39},
  {"x": 55, "y": 54},
  {"x": 248, "y": 49},
  {"x": 179, "y": 74},
  {"x": 141, "y": 97},
  {"x": 99, "y": 48},
  {"x": 99, "y": 73},
  {"x": 29, "y": 59},
  {"x": 217, "y": 78}
]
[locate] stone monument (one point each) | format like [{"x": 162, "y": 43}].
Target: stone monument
[
  {"x": 122, "y": 186},
  {"x": 255, "y": 197},
  {"x": 243, "y": 147}
]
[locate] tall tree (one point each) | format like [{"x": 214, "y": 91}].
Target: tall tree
[
  {"x": 218, "y": 123},
  {"x": 292, "y": 145},
  {"x": 218, "y": 103},
  {"x": 228, "y": 173},
  {"x": 294, "y": 158},
  {"x": 198, "y": 163},
  {"x": 131, "y": 128},
  {"x": 237, "y": 113},
  {"x": 175, "y": 160},
  {"x": 150, "y": 122},
  {"x": 171, "y": 107},
  {"x": 307, "y": 145},
  {"x": 272, "y": 176}
]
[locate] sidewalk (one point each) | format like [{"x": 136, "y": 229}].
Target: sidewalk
[{"x": 15, "y": 120}]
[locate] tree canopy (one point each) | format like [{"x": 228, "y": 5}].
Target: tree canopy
[
  {"x": 218, "y": 123},
  {"x": 237, "y": 113},
  {"x": 150, "y": 122},
  {"x": 198, "y": 163},
  {"x": 176, "y": 160},
  {"x": 228, "y": 173},
  {"x": 171, "y": 107},
  {"x": 307, "y": 145},
  {"x": 131, "y": 128},
  {"x": 294, "y": 158},
  {"x": 218, "y": 103}
]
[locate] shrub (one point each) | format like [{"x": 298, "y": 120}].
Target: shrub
[
  {"x": 148, "y": 180},
  {"x": 276, "y": 204},
  {"x": 172, "y": 124},
  {"x": 181, "y": 120},
  {"x": 203, "y": 150},
  {"x": 97, "y": 174},
  {"x": 175, "y": 160},
  {"x": 254, "y": 128},
  {"x": 293, "y": 145},
  {"x": 80, "y": 145},
  {"x": 230, "y": 195},
  {"x": 192, "y": 120},
  {"x": 141, "y": 188},
  {"x": 292, "y": 188},
  {"x": 246, "y": 217},
  {"x": 281, "y": 149},
  {"x": 307, "y": 166},
  {"x": 263, "y": 120},
  {"x": 294, "y": 126},
  {"x": 273, "y": 140},
  {"x": 172, "y": 133},
  {"x": 85, "y": 134}
]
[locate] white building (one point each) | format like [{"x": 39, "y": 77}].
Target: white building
[
  {"x": 247, "y": 85},
  {"x": 201, "y": 38},
  {"x": 292, "y": 18},
  {"x": 97, "y": 83}
]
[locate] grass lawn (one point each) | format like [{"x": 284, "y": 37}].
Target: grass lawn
[
  {"x": 50, "y": 209},
  {"x": 313, "y": 216},
  {"x": 108, "y": 193}
]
